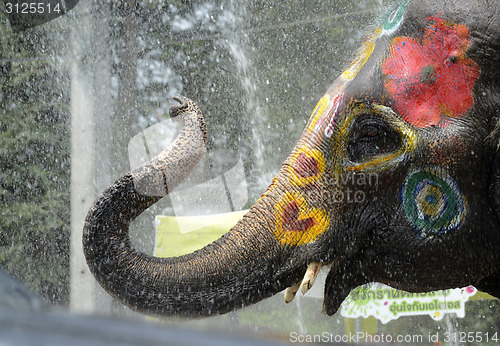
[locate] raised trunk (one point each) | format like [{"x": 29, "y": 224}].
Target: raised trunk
[{"x": 244, "y": 266}]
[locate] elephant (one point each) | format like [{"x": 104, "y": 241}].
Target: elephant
[{"x": 395, "y": 179}]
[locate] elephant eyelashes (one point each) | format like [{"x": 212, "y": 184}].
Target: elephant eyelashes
[{"x": 371, "y": 136}]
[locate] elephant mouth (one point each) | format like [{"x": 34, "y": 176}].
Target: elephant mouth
[
  {"x": 308, "y": 280},
  {"x": 344, "y": 273}
]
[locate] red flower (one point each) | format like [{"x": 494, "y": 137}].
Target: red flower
[{"x": 431, "y": 81}]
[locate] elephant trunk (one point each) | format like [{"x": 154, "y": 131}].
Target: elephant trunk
[{"x": 242, "y": 267}]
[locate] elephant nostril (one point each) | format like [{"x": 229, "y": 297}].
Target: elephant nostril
[{"x": 183, "y": 106}]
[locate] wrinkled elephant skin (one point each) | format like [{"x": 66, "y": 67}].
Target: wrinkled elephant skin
[{"x": 395, "y": 180}]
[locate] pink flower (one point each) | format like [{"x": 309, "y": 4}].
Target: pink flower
[{"x": 470, "y": 289}]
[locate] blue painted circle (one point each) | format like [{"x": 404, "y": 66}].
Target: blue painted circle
[{"x": 433, "y": 203}]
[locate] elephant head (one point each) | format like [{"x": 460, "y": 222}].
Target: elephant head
[{"x": 395, "y": 179}]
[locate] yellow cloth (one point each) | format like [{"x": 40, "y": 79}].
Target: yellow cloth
[{"x": 179, "y": 235}]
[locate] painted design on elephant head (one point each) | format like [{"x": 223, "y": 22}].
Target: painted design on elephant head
[
  {"x": 432, "y": 80},
  {"x": 337, "y": 102},
  {"x": 362, "y": 57},
  {"x": 297, "y": 223},
  {"x": 433, "y": 202},
  {"x": 329, "y": 105},
  {"x": 401, "y": 138},
  {"x": 327, "y": 109},
  {"x": 307, "y": 165},
  {"x": 394, "y": 20},
  {"x": 390, "y": 25}
]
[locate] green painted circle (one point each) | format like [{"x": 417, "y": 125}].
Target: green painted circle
[
  {"x": 394, "y": 19},
  {"x": 433, "y": 204}
]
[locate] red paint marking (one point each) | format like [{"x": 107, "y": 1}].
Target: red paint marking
[
  {"x": 321, "y": 121},
  {"x": 337, "y": 102},
  {"x": 333, "y": 109},
  {"x": 306, "y": 166},
  {"x": 431, "y": 79},
  {"x": 316, "y": 267},
  {"x": 291, "y": 221}
]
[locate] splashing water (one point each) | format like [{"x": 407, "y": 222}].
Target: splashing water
[{"x": 239, "y": 47}]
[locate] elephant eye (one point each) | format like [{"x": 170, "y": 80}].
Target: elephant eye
[{"x": 371, "y": 136}]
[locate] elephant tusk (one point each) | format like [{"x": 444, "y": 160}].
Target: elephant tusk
[
  {"x": 306, "y": 283},
  {"x": 291, "y": 292},
  {"x": 310, "y": 276}
]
